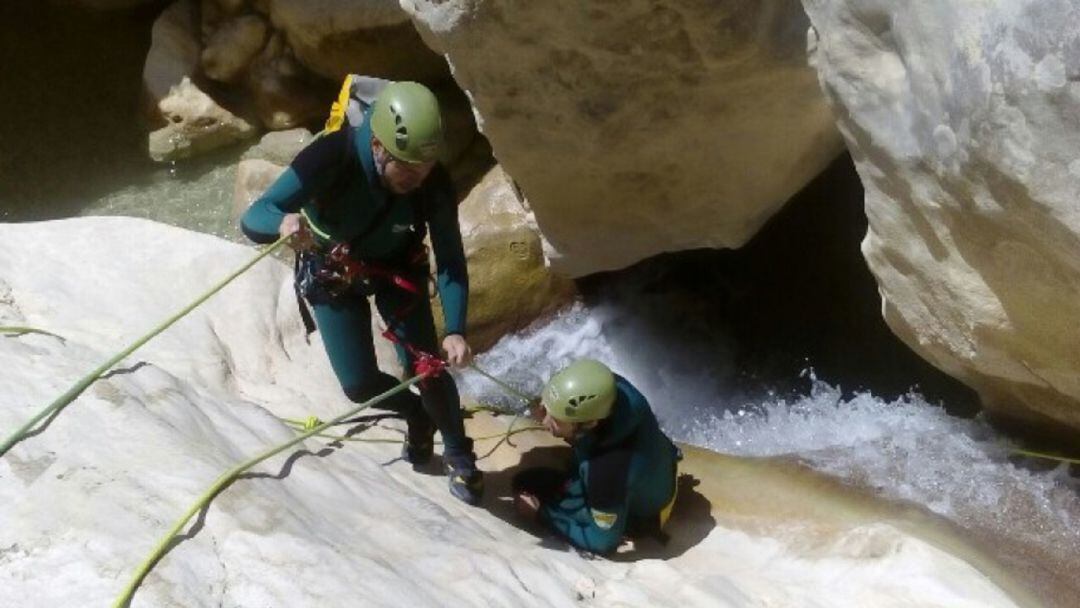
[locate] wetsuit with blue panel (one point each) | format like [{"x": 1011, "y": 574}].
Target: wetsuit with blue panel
[{"x": 623, "y": 476}]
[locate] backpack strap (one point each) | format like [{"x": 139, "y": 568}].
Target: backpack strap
[{"x": 346, "y": 166}]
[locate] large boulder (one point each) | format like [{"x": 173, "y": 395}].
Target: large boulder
[
  {"x": 510, "y": 286},
  {"x": 105, "y": 5},
  {"x": 192, "y": 121},
  {"x": 278, "y": 64},
  {"x": 372, "y": 37},
  {"x": 174, "y": 50},
  {"x": 962, "y": 120},
  {"x": 232, "y": 46},
  {"x": 263, "y": 163},
  {"x": 253, "y": 177},
  {"x": 636, "y": 127},
  {"x": 196, "y": 124},
  {"x": 283, "y": 92}
]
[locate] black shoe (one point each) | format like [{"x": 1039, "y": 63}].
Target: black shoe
[
  {"x": 466, "y": 481},
  {"x": 417, "y": 454},
  {"x": 419, "y": 441}
]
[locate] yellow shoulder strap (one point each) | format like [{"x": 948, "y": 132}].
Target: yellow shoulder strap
[{"x": 339, "y": 107}]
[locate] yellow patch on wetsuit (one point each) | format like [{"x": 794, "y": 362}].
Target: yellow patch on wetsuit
[
  {"x": 603, "y": 519},
  {"x": 665, "y": 513}
]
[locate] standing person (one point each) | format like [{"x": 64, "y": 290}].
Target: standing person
[
  {"x": 623, "y": 474},
  {"x": 358, "y": 202}
]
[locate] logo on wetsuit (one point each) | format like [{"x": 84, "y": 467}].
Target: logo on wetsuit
[{"x": 603, "y": 519}]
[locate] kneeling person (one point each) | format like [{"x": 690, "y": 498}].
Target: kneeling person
[{"x": 624, "y": 468}]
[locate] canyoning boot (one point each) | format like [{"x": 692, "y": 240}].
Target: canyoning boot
[
  {"x": 419, "y": 440},
  {"x": 466, "y": 481}
]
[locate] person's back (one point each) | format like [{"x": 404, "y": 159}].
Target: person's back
[{"x": 628, "y": 452}]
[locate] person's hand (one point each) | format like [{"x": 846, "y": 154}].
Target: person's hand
[
  {"x": 458, "y": 353},
  {"x": 294, "y": 225},
  {"x": 527, "y": 505}
]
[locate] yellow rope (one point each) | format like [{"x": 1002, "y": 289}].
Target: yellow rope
[
  {"x": 501, "y": 435},
  {"x": 54, "y": 408},
  {"x": 229, "y": 476}
]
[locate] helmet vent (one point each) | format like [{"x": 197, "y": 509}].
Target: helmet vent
[{"x": 401, "y": 132}]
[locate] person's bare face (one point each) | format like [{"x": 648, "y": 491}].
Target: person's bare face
[
  {"x": 558, "y": 428},
  {"x": 399, "y": 176}
]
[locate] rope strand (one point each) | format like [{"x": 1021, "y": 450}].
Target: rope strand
[
  {"x": 77, "y": 389},
  {"x": 226, "y": 478}
]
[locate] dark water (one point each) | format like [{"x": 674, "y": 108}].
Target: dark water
[
  {"x": 71, "y": 126},
  {"x": 798, "y": 296}
]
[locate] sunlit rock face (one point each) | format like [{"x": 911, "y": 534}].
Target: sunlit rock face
[
  {"x": 372, "y": 37},
  {"x": 962, "y": 118},
  {"x": 339, "y": 524},
  {"x": 639, "y": 127}
]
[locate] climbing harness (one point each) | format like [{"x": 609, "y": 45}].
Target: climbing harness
[
  {"x": 72, "y": 393},
  {"x": 336, "y": 273}
]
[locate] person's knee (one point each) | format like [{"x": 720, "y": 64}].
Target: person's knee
[
  {"x": 440, "y": 390},
  {"x": 359, "y": 393}
]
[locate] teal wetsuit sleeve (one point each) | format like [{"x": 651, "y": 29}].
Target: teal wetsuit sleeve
[
  {"x": 262, "y": 219},
  {"x": 592, "y": 529},
  {"x": 452, "y": 279},
  {"x": 311, "y": 172}
]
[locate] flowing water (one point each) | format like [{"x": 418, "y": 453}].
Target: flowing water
[
  {"x": 903, "y": 448},
  {"x": 779, "y": 349}
]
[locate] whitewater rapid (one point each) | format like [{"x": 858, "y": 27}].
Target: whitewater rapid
[{"x": 905, "y": 449}]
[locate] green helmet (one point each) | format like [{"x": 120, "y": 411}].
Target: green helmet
[
  {"x": 405, "y": 118},
  {"x": 582, "y": 392}
]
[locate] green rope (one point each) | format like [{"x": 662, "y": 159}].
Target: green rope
[
  {"x": 1046, "y": 456},
  {"x": 18, "y": 331},
  {"x": 501, "y": 411},
  {"x": 231, "y": 474},
  {"x": 298, "y": 426},
  {"x": 505, "y": 436},
  {"x": 72, "y": 393},
  {"x": 506, "y": 387}
]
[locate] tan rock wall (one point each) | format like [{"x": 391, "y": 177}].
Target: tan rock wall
[{"x": 279, "y": 64}]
